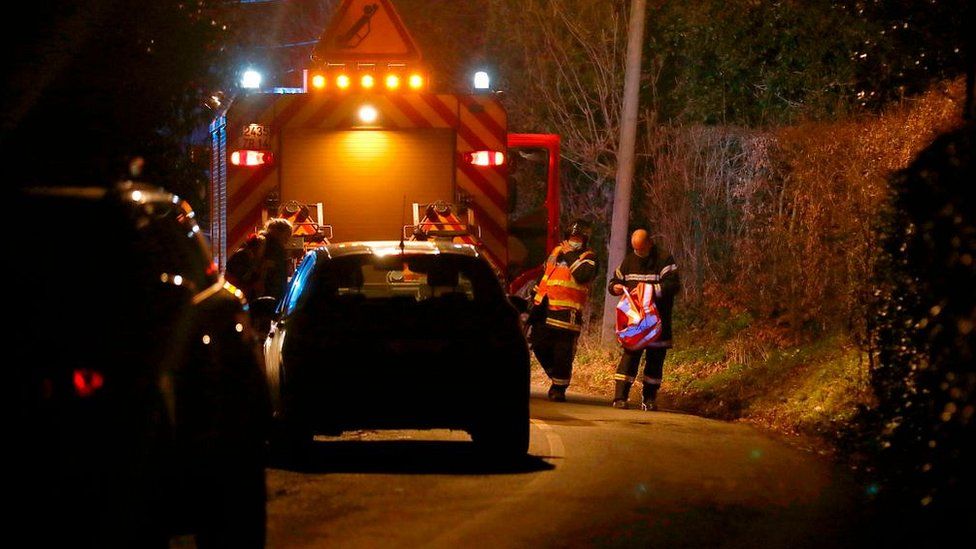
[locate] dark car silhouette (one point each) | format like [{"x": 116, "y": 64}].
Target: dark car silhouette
[
  {"x": 142, "y": 411},
  {"x": 390, "y": 335}
]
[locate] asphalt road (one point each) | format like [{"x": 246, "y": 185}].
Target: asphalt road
[{"x": 595, "y": 476}]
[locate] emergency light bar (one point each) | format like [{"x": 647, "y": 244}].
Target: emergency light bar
[
  {"x": 251, "y": 158},
  {"x": 485, "y": 158},
  {"x": 346, "y": 80}
]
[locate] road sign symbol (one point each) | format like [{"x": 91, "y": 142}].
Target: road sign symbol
[{"x": 366, "y": 31}]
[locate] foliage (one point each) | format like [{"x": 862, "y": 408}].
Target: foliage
[
  {"x": 908, "y": 46},
  {"x": 562, "y": 63},
  {"x": 752, "y": 63},
  {"x": 925, "y": 338},
  {"x": 779, "y": 222},
  {"x": 98, "y": 83}
]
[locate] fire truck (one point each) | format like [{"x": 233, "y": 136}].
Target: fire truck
[{"x": 366, "y": 149}]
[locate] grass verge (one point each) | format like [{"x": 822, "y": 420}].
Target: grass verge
[{"x": 807, "y": 390}]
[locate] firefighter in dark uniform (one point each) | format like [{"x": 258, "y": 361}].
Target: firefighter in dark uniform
[
  {"x": 648, "y": 264},
  {"x": 557, "y": 307}
]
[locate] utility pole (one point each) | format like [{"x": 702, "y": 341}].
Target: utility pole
[{"x": 625, "y": 155}]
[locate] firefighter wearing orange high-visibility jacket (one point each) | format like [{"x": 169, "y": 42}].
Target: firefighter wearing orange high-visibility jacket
[{"x": 557, "y": 307}]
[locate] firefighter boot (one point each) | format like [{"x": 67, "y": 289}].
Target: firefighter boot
[
  {"x": 557, "y": 393},
  {"x": 621, "y": 390},
  {"x": 650, "y": 399}
]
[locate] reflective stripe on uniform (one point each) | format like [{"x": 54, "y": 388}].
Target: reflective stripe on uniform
[
  {"x": 622, "y": 377},
  {"x": 668, "y": 269},
  {"x": 560, "y": 324},
  {"x": 586, "y": 257},
  {"x": 560, "y": 287},
  {"x": 579, "y": 262},
  {"x": 642, "y": 278},
  {"x": 567, "y": 284},
  {"x": 559, "y": 382}
]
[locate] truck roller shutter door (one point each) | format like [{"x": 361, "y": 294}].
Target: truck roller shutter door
[{"x": 362, "y": 176}]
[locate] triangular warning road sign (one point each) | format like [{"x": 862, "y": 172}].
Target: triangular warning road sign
[{"x": 366, "y": 31}]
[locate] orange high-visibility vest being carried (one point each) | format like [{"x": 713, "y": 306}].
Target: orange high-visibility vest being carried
[{"x": 559, "y": 285}]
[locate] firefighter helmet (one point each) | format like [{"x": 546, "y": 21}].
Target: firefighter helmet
[{"x": 582, "y": 229}]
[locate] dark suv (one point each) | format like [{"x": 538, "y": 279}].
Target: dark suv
[{"x": 142, "y": 408}]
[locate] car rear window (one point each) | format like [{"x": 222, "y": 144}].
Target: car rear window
[{"x": 413, "y": 277}]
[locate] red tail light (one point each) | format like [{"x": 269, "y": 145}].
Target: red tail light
[
  {"x": 251, "y": 158},
  {"x": 485, "y": 158},
  {"x": 87, "y": 382}
]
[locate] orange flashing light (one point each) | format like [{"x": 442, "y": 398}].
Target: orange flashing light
[
  {"x": 392, "y": 81},
  {"x": 367, "y": 81},
  {"x": 343, "y": 82},
  {"x": 318, "y": 81},
  {"x": 416, "y": 81}
]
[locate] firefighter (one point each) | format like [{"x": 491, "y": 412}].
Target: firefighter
[
  {"x": 244, "y": 267},
  {"x": 276, "y": 264},
  {"x": 556, "y": 316},
  {"x": 646, "y": 264}
]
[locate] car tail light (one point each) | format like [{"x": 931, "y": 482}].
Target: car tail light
[
  {"x": 87, "y": 381},
  {"x": 486, "y": 158},
  {"x": 251, "y": 158}
]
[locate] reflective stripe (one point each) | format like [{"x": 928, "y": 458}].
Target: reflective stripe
[
  {"x": 651, "y": 380},
  {"x": 560, "y": 324},
  {"x": 559, "y": 286},
  {"x": 576, "y": 264},
  {"x": 567, "y": 284},
  {"x": 668, "y": 269},
  {"x": 559, "y": 382},
  {"x": 622, "y": 377},
  {"x": 642, "y": 278}
]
